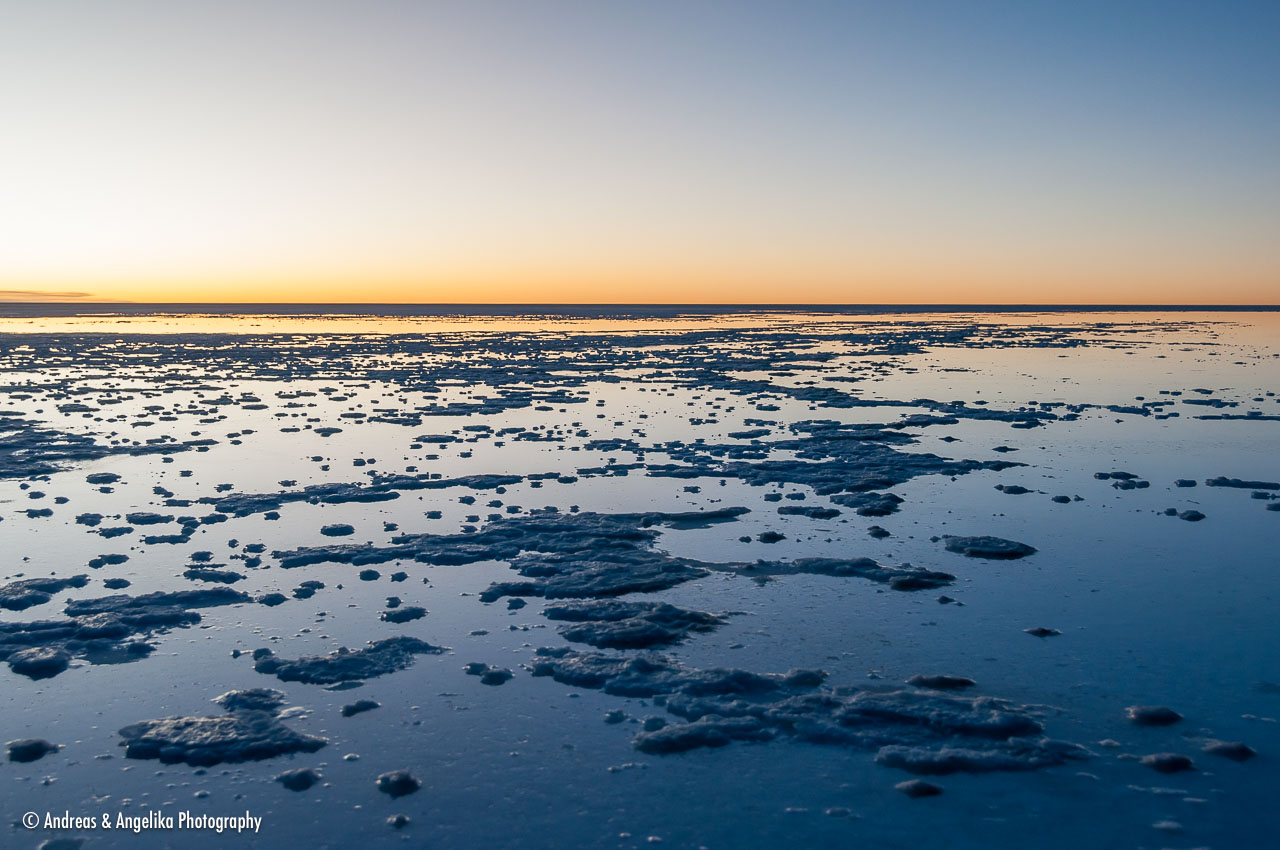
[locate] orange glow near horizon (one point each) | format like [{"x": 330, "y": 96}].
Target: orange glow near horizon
[
  {"x": 656, "y": 152},
  {"x": 635, "y": 284}
]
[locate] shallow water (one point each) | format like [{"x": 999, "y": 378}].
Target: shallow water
[{"x": 1151, "y": 609}]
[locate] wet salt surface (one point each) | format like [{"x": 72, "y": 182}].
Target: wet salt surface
[{"x": 599, "y": 475}]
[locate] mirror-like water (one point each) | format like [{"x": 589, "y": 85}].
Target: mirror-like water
[{"x": 337, "y": 470}]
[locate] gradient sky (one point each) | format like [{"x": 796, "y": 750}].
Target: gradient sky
[{"x": 615, "y": 151}]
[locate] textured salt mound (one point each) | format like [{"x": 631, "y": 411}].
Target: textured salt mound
[
  {"x": 1245, "y": 485},
  {"x": 987, "y": 547},
  {"x": 918, "y": 788},
  {"x": 649, "y": 675},
  {"x": 404, "y": 614},
  {"x": 1011, "y": 755},
  {"x": 307, "y": 589},
  {"x": 544, "y": 531},
  {"x": 836, "y": 458},
  {"x": 148, "y": 518},
  {"x": 1167, "y": 762},
  {"x": 30, "y": 749},
  {"x": 590, "y": 574},
  {"x": 359, "y": 707},
  {"x": 251, "y": 699},
  {"x": 925, "y": 731},
  {"x": 810, "y": 511},
  {"x": 345, "y": 665},
  {"x": 29, "y": 448},
  {"x": 1234, "y": 750},
  {"x": 381, "y": 489},
  {"x": 300, "y": 779},
  {"x": 212, "y": 575},
  {"x": 97, "y": 628},
  {"x": 489, "y": 675},
  {"x": 40, "y": 662},
  {"x": 1152, "y": 715},
  {"x": 904, "y": 577},
  {"x": 705, "y": 732},
  {"x": 398, "y": 783},
  {"x": 614, "y": 624},
  {"x": 21, "y": 595},
  {"x": 941, "y": 683},
  {"x": 156, "y": 605},
  {"x": 586, "y": 555},
  {"x": 251, "y": 731},
  {"x": 869, "y": 504}
]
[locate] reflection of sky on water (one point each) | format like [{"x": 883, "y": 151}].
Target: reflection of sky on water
[{"x": 1152, "y": 610}]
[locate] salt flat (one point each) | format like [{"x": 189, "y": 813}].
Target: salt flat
[{"x": 722, "y": 579}]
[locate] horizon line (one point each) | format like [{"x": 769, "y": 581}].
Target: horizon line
[
  {"x": 701, "y": 305},
  {"x": 129, "y": 303},
  {"x": 125, "y": 310}
]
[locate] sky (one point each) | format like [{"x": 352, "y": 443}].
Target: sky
[{"x": 664, "y": 151}]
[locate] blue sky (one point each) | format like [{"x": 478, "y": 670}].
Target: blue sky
[{"x": 648, "y": 151}]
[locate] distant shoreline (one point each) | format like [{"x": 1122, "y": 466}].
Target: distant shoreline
[{"x": 39, "y": 309}]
